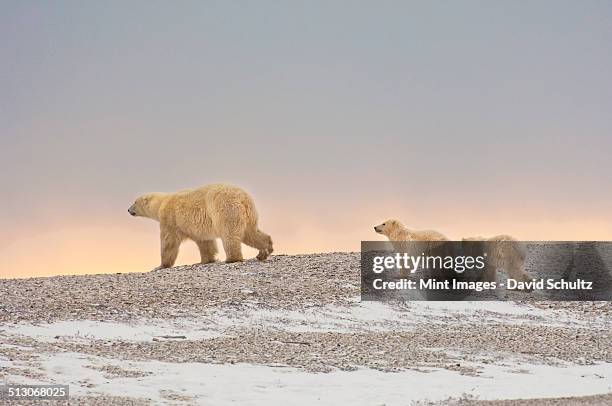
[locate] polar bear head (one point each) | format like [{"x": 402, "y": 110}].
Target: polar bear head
[
  {"x": 147, "y": 205},
  {"x": 389, "y": 228}
]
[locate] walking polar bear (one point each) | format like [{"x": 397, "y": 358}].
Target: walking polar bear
[
  {"x": 202, "y": 215},
  {"x": 504, "y": 252},
  {"x": 396, "y": 231}
]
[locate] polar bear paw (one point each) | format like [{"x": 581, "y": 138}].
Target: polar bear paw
[{"x": 263, "y": 255}]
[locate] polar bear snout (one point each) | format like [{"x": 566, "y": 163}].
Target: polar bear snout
[
  {"x": 385, "y": 227},
  {"x": 132, "y": 210}
]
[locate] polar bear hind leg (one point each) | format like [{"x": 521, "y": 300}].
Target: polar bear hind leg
[
  {"x": 259, "y": 240},
  {"x": 232, "y": 248}
]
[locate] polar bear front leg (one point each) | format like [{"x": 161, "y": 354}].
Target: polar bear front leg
[
  {"x": 170, "y": 244},
  {"x": 232, "y": 248},
  {"x": 208, "y": 251}
]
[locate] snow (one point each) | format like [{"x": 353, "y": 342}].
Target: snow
[
  {"x": 258, "y": 385},
  {"x": 364, "y": 316},
  {"x": 80, "y": 330},
  {"x": 261, "y": 384}
]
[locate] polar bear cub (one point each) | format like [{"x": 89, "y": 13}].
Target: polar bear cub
[{"x": 202, "y": 215}]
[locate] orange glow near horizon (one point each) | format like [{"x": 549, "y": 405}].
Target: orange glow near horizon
[{"x": 128, "y": 246}]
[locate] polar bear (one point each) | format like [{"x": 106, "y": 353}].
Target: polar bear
[
  {"x": 396, "y": 231},
  {"x": 504, "y": 251},
  {"x": 202, "y": 215}
]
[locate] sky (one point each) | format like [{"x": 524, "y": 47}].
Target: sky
[{"x": 469, "y": 117}]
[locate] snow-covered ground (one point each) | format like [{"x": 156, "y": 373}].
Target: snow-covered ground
[
  {"x": 371, "y": 316},
  {"x": 284, "y": 332},
  {"x": 260, "y": 385}
]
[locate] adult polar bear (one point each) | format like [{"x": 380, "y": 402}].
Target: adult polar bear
[{"x": 202, "y": 215}]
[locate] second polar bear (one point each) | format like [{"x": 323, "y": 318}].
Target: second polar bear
[
  {"x": 396, "y": 231},
  {"x": 202, "y": 215},
  {"x": 505, "y": 252}
]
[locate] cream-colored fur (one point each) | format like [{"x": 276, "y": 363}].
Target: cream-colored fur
[
  {"x": 202, "y": 215},
  {"x": 503, "y": 251},
  {"x": 396, "y": 231}
]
